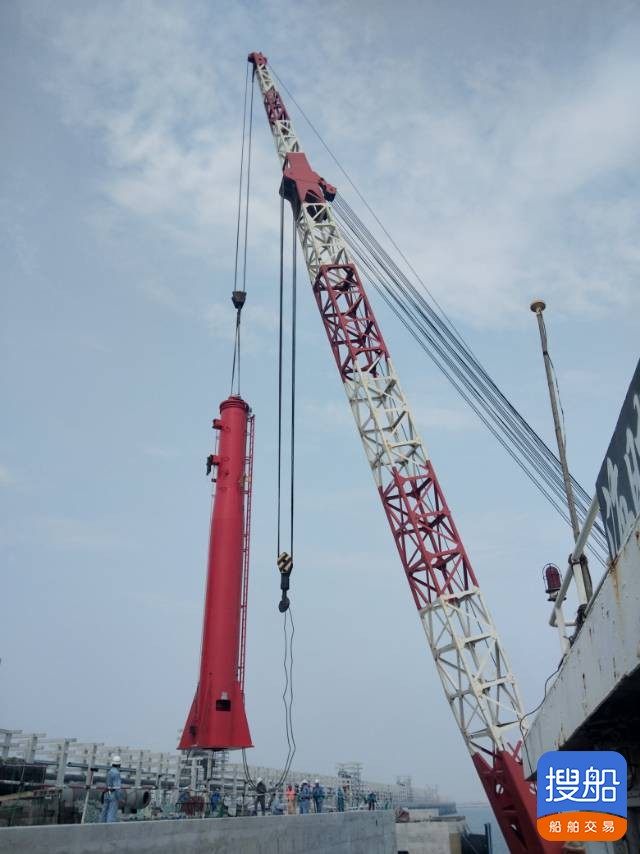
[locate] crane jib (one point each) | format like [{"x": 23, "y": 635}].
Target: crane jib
[{"x": 469, "y": 656}]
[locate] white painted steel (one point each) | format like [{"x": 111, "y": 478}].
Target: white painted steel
[
  {"x": 471, "y": 662},
  {"x": 574, "y": 573}
]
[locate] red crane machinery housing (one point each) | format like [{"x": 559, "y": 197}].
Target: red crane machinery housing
[{"x": 469, "y": 656}]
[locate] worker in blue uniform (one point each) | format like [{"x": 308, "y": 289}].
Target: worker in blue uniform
[
  {"x": 318, "y": 796},
  {"x": 304, "y": 796},
  {"x": 112, "y": 792},
  {"x": 215, "y": 801}
]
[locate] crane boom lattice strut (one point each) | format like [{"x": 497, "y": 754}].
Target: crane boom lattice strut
[{"x": 469, "y": 656}]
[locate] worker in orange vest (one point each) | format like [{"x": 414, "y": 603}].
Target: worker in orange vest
[{"x": 291, "y": 799}]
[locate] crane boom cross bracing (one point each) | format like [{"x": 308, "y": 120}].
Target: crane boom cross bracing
[{"x": 473, "y": 667}]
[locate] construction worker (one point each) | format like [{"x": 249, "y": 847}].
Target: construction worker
[
  {"x": 261, "y": 791},
  {"x": 304, "y": 796},
  {"x": 371, "y": 800},
  {"x": 240, "y": 806},
  {"x": 215, "y": 803},
  {"x": 112, "y": 792},
  {"x": 340, "y": 799},
  {"x": 291, "y": 799},
  {"x": 318, "y": 796}
]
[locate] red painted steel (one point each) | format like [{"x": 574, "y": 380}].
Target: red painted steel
[
  {"x": 348, "y": 319},
  {"x": 257, "y": 58},
  {"x": 217, "y": 719},
  {"x": 300, "y": 183},
  {"x": 513, "y": 801}
]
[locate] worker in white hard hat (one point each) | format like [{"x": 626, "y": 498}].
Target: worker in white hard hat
[
  {"x": 318, "y": 796},
  {"x": 304, "y": 796},
  {"x": 261, "y": 791},
  {"x": 112, "y": 792}
]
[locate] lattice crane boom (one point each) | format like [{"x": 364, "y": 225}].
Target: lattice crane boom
[{"x": 469, "y": 656}]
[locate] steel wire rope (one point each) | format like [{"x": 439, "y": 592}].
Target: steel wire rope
[
  {"x": 527, "y": 461},
  {"x": 288, "y": 698},
  {"x": 474, "y": 363},
  {"x": 287, "y": 694},
  {"x": 541, "y": 450},
  {"x": 398, "y": 274},
  {"x": 244, "y": 122},
  {"x": 293, "y": 375},
  {"x": 237, "y": 340},
  {"x": 280, "y": 362},
  {"x": 366, "y": 263},
  {"x": 493, "y": 657},
  {"x": 531, "y": 454},
  {"x": 451, "y": 326},
  {"x": 395, "y": 304},
  {"x": 362, "y": 198},
  {"x": 246, "y": 207},
  {"x": 239, "y": 219},
  {"x": 506, "y": 418},
  {"x": 389, "y": 295},
  {"x": 582, "y": 498}
]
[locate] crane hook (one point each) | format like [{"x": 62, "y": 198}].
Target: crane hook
[{"x": 285, "y": 565}]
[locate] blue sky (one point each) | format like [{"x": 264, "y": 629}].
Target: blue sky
[{"x": 499, "y": 146}]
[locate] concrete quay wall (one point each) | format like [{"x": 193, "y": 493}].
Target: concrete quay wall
[{"x": 332, "y": 833}]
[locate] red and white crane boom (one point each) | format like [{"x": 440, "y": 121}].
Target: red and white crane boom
[{"x": 469, "y": 656}]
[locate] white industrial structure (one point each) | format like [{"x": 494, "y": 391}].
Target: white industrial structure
[{"x": 67, "y": 763}]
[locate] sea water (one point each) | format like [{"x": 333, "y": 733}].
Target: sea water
[{"x": 477, "y": 816}]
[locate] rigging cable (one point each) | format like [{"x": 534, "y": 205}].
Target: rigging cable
[
  {"x": 244, "y": 122},
  {"x": 502, "y": 419},
  {"x": 287, "y": 694},
  {"x": 240, "y": 295},
  {"x": 293, "y": 375},
  {"x": 507, "y": 425},
  {"x": 280, "y": 363},
  {"x": 288, "y": 624}
]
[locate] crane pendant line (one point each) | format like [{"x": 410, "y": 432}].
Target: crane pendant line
[{"x": 471, "y": 662}]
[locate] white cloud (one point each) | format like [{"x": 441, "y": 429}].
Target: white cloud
[{"x": 503, "y": 180}]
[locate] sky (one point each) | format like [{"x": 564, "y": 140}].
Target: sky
[{"x": 499, "y": 144}]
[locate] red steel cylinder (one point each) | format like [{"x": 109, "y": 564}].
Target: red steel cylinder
[{"x": 217, "y": 719}]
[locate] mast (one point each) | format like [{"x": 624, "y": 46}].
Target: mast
[{"x": 469, "y": 656}]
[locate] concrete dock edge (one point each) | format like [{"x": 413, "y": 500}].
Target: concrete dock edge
[{"x": 332, "y": 833}]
